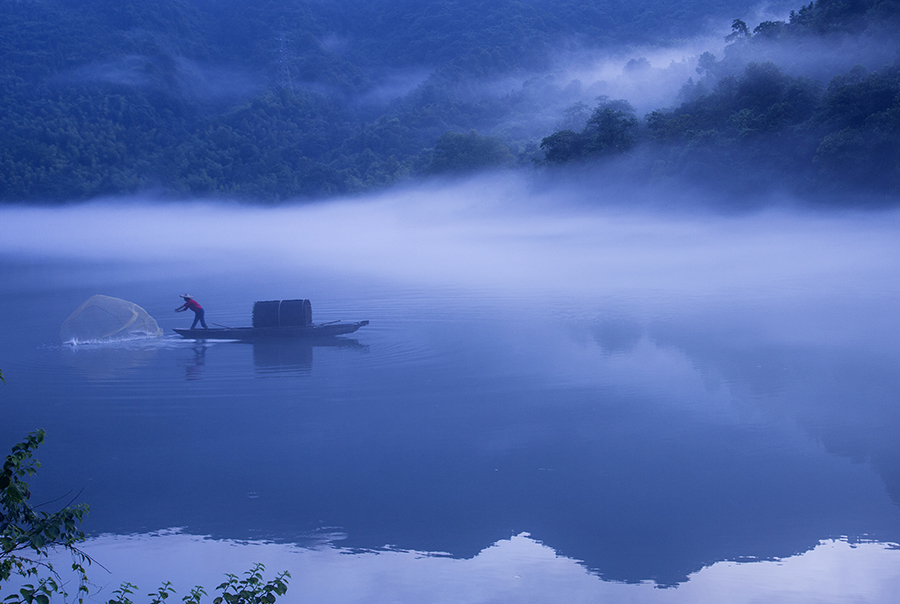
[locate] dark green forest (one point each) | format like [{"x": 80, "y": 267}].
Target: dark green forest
[
  {"x": 747, "y": 123},
  {"x": 301, "y": 99}
]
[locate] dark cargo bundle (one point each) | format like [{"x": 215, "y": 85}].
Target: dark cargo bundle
[{"x": 282, "y": 313}]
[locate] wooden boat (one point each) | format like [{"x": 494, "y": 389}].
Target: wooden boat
[{"x": 313, "y": 330}]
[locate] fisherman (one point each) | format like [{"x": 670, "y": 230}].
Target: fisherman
[{"x": 191, "y": 304}]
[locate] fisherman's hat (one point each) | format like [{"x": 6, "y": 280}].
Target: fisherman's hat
[{"x": 187, "y": 296}]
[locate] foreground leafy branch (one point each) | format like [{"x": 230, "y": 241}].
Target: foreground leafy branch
[
  {"x": 29, "y": 536},
  {"x": 252, "y": 589}
]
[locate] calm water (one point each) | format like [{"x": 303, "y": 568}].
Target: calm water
[{"x": 566, "y": 407}]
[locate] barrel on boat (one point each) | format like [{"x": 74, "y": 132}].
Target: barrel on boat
[{"x": 282, "y": 313}]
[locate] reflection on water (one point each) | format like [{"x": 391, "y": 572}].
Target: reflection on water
[
  {"x": 112, "y": 361},
  {"x": 109, "y": 361},
  {"x": 644, "y": 450},
  {"x": 514, "y": 569},
  {"x": 282, "y": 357},
  {"x": 659, "y": 399},
  {"x": 193, "y": 370},
  {"x": 273, "y": 357}
]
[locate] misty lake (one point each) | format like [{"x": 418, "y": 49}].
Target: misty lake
[{"x": 555, "y": 401}]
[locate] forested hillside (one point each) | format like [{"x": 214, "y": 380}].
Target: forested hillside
[
  {"x": 772, "y": 112},
  {"x": 277, "y": 100}
]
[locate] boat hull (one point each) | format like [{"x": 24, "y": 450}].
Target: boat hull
[{"x": 322, "y": 330}]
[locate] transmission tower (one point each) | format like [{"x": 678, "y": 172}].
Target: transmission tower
[{"x": 284, "y": 81}]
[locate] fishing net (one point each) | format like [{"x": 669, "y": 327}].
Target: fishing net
[{"x": 102, "y": 318}]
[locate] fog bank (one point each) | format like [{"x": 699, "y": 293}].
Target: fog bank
[{"x": 493, "y": 232}]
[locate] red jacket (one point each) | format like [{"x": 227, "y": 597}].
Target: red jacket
[{"x": 190, "y": 303}]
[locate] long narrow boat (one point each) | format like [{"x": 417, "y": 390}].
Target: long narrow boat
[{"x": 313, "y": 330}]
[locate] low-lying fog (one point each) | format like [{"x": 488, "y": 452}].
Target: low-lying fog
[{"x": 491, "y": 233}]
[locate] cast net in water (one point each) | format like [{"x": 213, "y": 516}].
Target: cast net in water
[{"x": 103, "y": 319}]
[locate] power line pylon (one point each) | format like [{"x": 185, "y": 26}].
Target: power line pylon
[{"x": 284, "y": 81}]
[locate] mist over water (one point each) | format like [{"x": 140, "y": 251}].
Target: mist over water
[
  {"x": 495, "y": 232},
  {"x": 561, "y": 391}
]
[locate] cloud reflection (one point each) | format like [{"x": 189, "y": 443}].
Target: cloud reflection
[
  {"x": 683, "y": 308},
  {"x": 518, "y": 569}
]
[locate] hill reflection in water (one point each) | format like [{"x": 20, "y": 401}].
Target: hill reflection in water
[
  {"x": 645, "y": 450},
  {"x": 650, "y": 398},
  {"x": 516, "y": 569}
]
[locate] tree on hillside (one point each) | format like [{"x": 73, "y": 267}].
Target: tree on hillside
[
  {"x": 455, "y": 152},
  {"x": 563, "y": 146},
  {"x": 739, "y": 31},
  {"x": 611, "y": 129}
]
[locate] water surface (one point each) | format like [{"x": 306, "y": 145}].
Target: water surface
[{"x": 565, "y": 405}]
